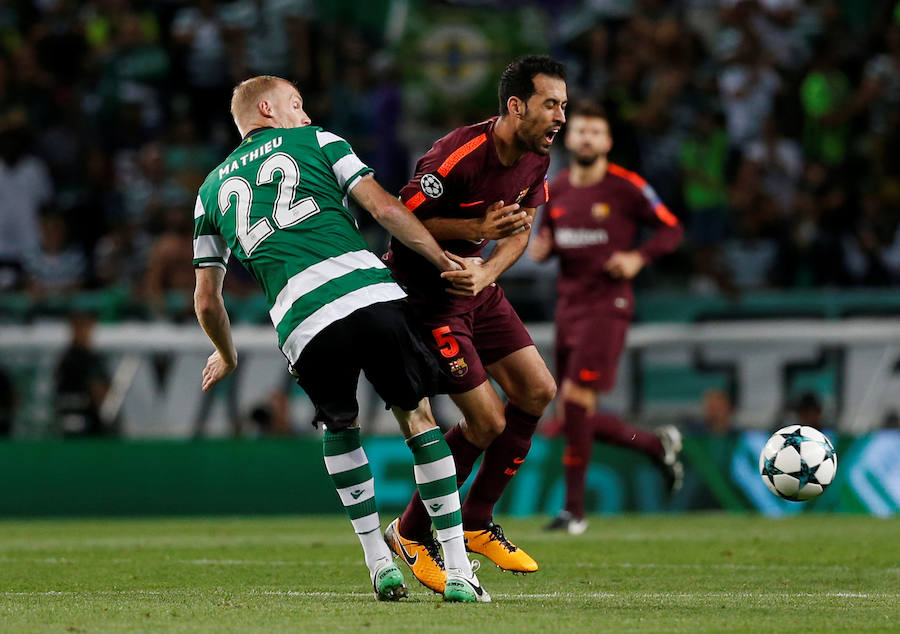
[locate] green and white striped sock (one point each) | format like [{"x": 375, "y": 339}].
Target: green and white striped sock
[
  {"x": 348, "y": 466},
  {"x": 436, "y": 478}
]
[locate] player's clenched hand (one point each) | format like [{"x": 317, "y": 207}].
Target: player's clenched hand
[
  {"x": 541, "y": 245},
  {"x": 449, "y": 265},
  {"x": 471, "y": 280},
  {"x": 624, "y": 265},
  {"x": 502, "y": 221},
  {"x": 216, "y": 369}
]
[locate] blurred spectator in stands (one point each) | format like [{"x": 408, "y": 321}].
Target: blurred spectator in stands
[
  {"x": 121, "y": 257},
  {"x": 812, "y": 257},
  {"x": 622, "y": 100},
  {"x": 81, "y": 383},
  {"x": 92, "y": 206},
  {"x": 169, "y": 267},
  {"x": 879, "y": 92},
  {"x": 717, "y": 417},
  {"x": 718, "y": 412},
  {"x": 349, "y": 103},
  {"x": 31, "y": 84},
  {"x": 7, "y": 404},
  {"x": 61, "y": 47},
  {"x": 186, "y": 158},
  {"x": 588, "y": 66},
  {"x": 780, "y": 161},
  {"x": 58, "y": 266},
  {"x": 752, "y": 255},
  {"x": 148, "y": 188},
  {"x": 774, "y": 22},
  {"x": 272, "y": 417},
  {"x": 272, "y": 37},
  {"x": 825, "y": 95},
  {"x": 662, "y": 122},
  {"x": 134, "y": 71},
  {"x": 703, "y": 160},
  {"x": 390, "y": 156},
  {"x": 26, "y": 187},
  {"x": 200, "y": 35},
  {"x": 748, "y": 86},
  {"x": 807, "y": 410},
  {"x": 870, "y": 246}
]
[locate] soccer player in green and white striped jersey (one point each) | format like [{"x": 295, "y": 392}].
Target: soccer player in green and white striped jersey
[{"x": 278, "y": 202}]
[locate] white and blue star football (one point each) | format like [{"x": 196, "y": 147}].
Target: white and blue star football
[{"x": 798, "y": 463}]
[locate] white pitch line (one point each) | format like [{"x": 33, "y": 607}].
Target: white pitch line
[
  {"x": 511, "y": 596},
  {"x": 601, "y": 565},
  {"x": 239, "y": 562},
  {"x": 725, "y": 566}
]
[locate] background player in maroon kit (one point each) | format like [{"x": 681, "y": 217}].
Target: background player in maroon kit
[
  {"x": 459, "y": 192},
  {"x": 590, "y": 223}
]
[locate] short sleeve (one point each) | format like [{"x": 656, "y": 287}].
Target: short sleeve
[
  {"x": 651, "y": 209},
  {"x": 210, "y": 248},
  {"x": 346, "y": 166},
  {"x": 538, "y": 193},
  {"x": 440, "y": 176}
]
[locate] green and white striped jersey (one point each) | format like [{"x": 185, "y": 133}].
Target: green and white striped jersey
[{"x": 279, "y": 203}]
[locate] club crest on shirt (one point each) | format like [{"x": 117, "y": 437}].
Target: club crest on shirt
[
  {"x": 521, "y": 195},
  {"x": 458, "y": 367},
  {"x": 431, "y": 186},
  {"x": 600, "y": 211}
]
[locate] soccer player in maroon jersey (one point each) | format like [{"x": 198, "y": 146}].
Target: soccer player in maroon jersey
[
  {"x": 482, "y": 182},
  {"x": 590, "y": 222}
]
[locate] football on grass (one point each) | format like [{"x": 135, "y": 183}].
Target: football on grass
[{"x": 798, "y": 463}]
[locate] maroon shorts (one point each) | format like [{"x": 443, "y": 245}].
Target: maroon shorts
[
  {"x": 464, "y": 344},
  {"x": 588, "y": 350}
]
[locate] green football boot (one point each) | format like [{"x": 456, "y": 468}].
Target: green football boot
[
  {"x": 464, "y": 589},
  {"x": 387, "y": 581}
]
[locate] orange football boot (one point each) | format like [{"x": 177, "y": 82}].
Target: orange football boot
[
  {"x": 493, "y": 544},
  {"x": 423, "y": 558}
]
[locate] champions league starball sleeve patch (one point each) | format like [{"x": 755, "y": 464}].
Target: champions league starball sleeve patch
[{"x": 431, "y": 186}]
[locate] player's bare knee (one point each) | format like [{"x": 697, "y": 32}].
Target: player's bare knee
[
  {"x": 549, "y": 391},
  {"x": 481, "y": 431},
  {"x": 535, "y": 396},
  {"x": 539, "y": 396}
]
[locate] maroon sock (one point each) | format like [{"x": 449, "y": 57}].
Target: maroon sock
[
  {"x": 415, "y": 521},
  {"x": 501, "y": 460},
  {"x": 614, "y": 431},
  {"x": 579, "y": 443}
]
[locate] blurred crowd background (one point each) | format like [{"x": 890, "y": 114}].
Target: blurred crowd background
[{"x": 770, "y": 127}]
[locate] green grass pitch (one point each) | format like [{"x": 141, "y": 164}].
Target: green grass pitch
[{"x": 688, "y": 573}]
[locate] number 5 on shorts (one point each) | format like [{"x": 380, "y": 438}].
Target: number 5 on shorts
[{"x": 446, "y": 342}]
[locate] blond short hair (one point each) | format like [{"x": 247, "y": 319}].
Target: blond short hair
[{"x": 247, "y": 94}]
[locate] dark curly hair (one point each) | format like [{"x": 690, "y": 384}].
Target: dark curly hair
[{"x": 518, "y": 78}]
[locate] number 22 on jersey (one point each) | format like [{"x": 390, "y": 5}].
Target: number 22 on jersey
[{"x": 286, "y": 211}]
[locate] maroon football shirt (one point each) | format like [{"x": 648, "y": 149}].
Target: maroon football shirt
[
  {"x": 459, "y": 177},
  {"x": 589, "y": 224}
]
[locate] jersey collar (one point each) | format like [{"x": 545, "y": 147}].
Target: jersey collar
[{"x": 255, "y": 131}]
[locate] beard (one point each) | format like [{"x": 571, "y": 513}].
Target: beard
[
  {"x": 586, "y": 160},
  {"x": 531, "y": 141}
]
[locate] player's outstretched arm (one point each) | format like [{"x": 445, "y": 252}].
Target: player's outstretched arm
[
  {"x": 542, "y": 245},
  {"x": 211, "y": 313},
  {"x": 498, "y": 222},
  {"x": 393, "y": 215}
]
